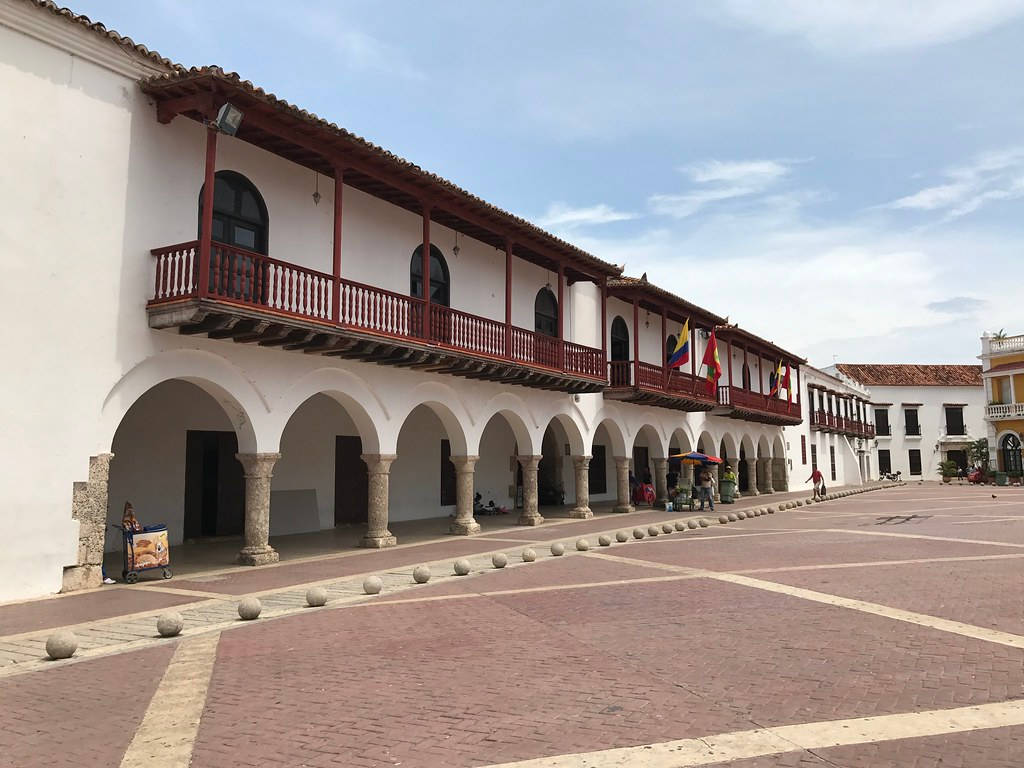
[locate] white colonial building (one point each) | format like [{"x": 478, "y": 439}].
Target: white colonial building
[
  {"x": 923, "y": 414},
  {"x": 264, "y": 360},
  {"x": 838, "y": 434}
]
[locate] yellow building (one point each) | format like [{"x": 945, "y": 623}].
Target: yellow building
[{"x": 1002, "y": 362}]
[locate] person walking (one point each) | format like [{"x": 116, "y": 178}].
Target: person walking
[
  {"x": 707, "y": 489},
  {"x": 819, "y": 480}
]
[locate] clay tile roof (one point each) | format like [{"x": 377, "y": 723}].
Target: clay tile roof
[
  {"x": 94, "y": 26},
  {"x": 678, "y": 302},
  {"x": 913, "y": 375}
]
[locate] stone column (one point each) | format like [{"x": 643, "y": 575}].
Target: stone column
[
  {"x": 258, "y": 468},
  {"x": 530, "y": 515},
  {"x": 378, "y": 468},
  {"x": 660, "y": 483},
  {"x": 752, "y": 489},
  {"x": 582, "y": 509},
  {"x": 767, "y": 470},
  {"x": 89, "y": 507},
  {"x": 781, "y": 478},
  {"x": 622, "y": 503},
  {"x": 464, "y": 524}
]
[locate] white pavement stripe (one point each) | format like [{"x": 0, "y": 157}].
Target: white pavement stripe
[
  {"x": 167, "y": 734},
  {"x": 921, "y": 619},
  {"x": 925, "y": 536},
  {"x": 878, "y": 563},
  {"x": 761, "y": 742}
]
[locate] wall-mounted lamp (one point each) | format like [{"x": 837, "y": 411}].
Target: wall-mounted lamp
[
  {"x": 228, "y": 119},
  {"x": 455, "y": 248},
  {"x": 316, "y": 190}
]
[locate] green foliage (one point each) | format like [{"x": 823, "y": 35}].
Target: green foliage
[
  {"x": 977, "y": 452},
  {"x": 948, "y": 468}
]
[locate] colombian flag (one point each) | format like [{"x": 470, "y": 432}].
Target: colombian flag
[
  {"x": 712, "y": 362},
  {"x": 681, "y": 354},
  {"x": 775, "y": 380}
]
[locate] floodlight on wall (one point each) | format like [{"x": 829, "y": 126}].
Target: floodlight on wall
[{"x": 228, "y": 119}]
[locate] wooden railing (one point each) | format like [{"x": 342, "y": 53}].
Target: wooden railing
[
  {"x": 253, "y": 279},
  {"x": 754, "y": 401},
  {"x": 651, "y": 377}
]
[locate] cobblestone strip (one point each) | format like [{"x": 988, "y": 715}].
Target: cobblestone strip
[
  {"x": 24, "y": 652},
  {"x": 761, "y": 742},
  {"x": 167, "y": 734}
]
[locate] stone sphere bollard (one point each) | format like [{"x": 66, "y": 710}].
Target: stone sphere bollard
[
  {"x": 604, "y": 540},
  {"x": 461, "y": 566},
  {"x": 692, "y": 524},
  {"x": 62, "y": 644},
  {"x": 653, "y": 530},
  {"x": 732, "y": 517},
  {"x": 169, "y": 624},
  {"x": 771, "y": 510},
  {"x": 250, "y": 608},
  {"x": 741, "y": 515},
  {"x": 372, "y": 585},
  {"x": 582, "y": 545},
  {"x": 621, "y": 536},
  {"x": 558, "y": 549},
  {"x": 316, "y": 597},
  {"x": 680, "y": 525},
  {"x": 528, "y": 555},
  {"x": 667, "y": 528},
  {"x": 723, "y": 519},
  {"x": 499, "y": 560},
  {"x": 704, "y": 522},
  {"x": 638, "y": 533},
  {"x": 421, "y": 574}
]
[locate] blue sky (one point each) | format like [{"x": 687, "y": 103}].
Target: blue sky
[{"x": 845, "y": 178}]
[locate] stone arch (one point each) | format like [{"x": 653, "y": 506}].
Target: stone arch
[
  {"x": 449, "y": 409},
  {"x": 747, "y": 446},
  {"x": 731, "y": 448},
  {"x": 655, "y": 442},
  {"x": 615, "y": 436},
  {"x": 518, "y": 417},
  {"x": 764, "y": 448},
  {"x": 706, "y": 442},
  {"x": 244, "y": 405},
  {"x": 347, "y": 390},
  {"x": 573, "y": 433},
  {"x": 680, "y": 439},
  {"x": 778, "y": 447}
]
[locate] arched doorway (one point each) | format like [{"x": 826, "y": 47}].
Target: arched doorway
[
  {"x": 619, "y": 353},
  {"x": 440, "y": 280},
  {"x": 239, "y": 213},
  {"x": 1009, "y": 448},
  {"x": 545, "y": 313}
]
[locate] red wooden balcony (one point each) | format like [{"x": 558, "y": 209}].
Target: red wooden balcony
[
  {"x": 254, "y": 298},
  {"x": 753, "y": 406},
  {"x": 648, "y": 383},
  {"x": 819, "y": 420}
]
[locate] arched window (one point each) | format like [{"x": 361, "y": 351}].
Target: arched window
[
  {"x": 746, "y": 376},
  {"x": 239, "y": 213},
  {"x": 545, "y": 313},
  {"x": 1010, "y": 447},
  {"x": 670, "y": 347},
  {"x": 620, "y": 376},
  {"x": 439, "y": 281}
]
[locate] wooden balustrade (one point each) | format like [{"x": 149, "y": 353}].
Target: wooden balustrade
[
  {"x": 755, "y": 401},
  {"x": 175, "y": 271}
]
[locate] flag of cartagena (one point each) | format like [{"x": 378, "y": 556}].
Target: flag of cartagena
[
  {"x": 786, "y": 383},
  {"x": 681, "y": 354},
  {"x": 775, "y": 380},
  {"x": 711, "y": 360}
]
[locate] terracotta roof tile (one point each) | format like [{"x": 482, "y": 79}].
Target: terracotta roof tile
[{"x": 895, "y": 375}]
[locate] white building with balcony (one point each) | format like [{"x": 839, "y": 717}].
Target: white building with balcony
[
  {"x": 333, "y": 340},
  {"x": 923, "y": 414}
]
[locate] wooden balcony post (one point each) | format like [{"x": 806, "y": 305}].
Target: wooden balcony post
[
  {"x": 664, "y": 357},
  {"x": 728, "y": 357},
  {"x": 336, "y": 294},
  {"x": 636, "y": 341},
  {"x": 561, "y": 316},
  {"x": 508, "y": 299},
  {"x": 425, "y": 271},
  {"x": 206, "y": 226},
  {"x": 745, "y": 368},
  {"x": 693, "y": 359},
  {"x": 604, "y": 320}
]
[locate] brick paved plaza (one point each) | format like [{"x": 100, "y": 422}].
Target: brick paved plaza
[{"x": 884, "y": 628}]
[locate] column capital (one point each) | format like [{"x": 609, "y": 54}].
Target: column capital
[
  {"x": 620, "y": 460},
  {"x": 529, "y": 462},
  {"x": 258, "y": 464},
  {"x": 464, "y": 463},
  {"x": 378, "y": 463},
  {"x": 660, "y": 462},
  {"x": 581, "y": 462}
]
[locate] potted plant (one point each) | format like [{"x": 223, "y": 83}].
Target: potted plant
[
  {"x": 948, "y": 470},
  {"x": 727, "y": 485}
]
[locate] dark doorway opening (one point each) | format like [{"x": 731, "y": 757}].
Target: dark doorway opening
[
  {"x": 214, "y": 485},
  {"x": 351, "y": 483},
  {"x": 960, "y": 457},
  {"x": 447, "y": 475}
]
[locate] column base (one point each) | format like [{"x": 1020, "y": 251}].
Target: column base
[
  {"x": 752, "y": 492},
  {"x": 386, "y": 539},
  {"x": 77, "y": 577},
  {"x": 260, "y": 556},
  {"x": 581, "y": 513},
  {"x": 530, "y": 520},
  {"x": 769, "y": 490},
  {"x": 625, "y": 509},
  {"x": 464, "y": 527}
]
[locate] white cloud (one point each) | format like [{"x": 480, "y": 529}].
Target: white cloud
[
  {"x": 562, "y": 216},
  {"x": 871, "y": 25},
  {"x": 756, "y": 172},
  {"x": 990, "y": 176},
  {"x": 718, "y": 181}
]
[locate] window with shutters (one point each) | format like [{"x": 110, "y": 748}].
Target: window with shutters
[
  {"x": 884, "y": 461},
  {"x": 955, "y": 420},
  {"x": 882, "y": 422},
  {"x": 803, "y": 449},
  {"x": 915, "y": 461},
  {"x": 832, "y": 460},
  {"x": 912, "y": 424},
  {"x": 814, "y": 456}
]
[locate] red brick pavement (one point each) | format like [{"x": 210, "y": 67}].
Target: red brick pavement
[
  {"x": 983, "y": 593},
  {"x": 90, "y": 606},
  {"x": 80, "y": 714},
  {"x": 991, "y": 748}
]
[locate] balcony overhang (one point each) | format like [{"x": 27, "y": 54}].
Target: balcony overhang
[
  {"x": 218, "y": 319},
  {"x": 670, "y": 400}
]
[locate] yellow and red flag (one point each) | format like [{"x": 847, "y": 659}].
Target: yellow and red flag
[{"x": 714, "y": 372}]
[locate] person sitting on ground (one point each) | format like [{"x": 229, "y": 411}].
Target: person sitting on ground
[
  {"x": 819, "y": 480},
  {"x": 707, "y": 486}
]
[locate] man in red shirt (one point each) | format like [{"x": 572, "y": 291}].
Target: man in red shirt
[{"x": 819, "y": 480}]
